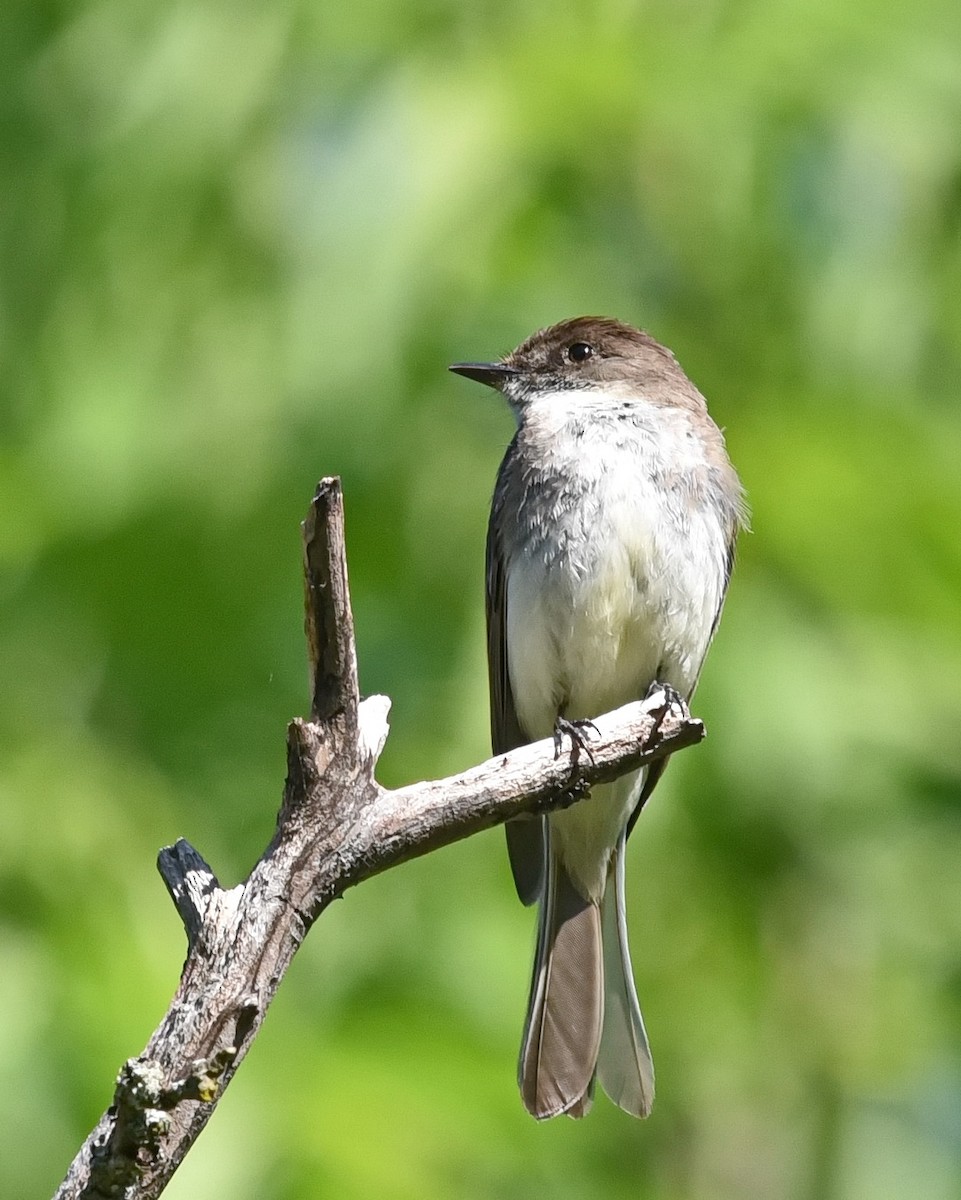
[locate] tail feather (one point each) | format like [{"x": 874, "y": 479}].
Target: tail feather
[
  {"x": 566, "y": 1012},
  {"x": 624, "y": 1066},
  {"x": 526, "y": 846},
  {"x": 582, "y": 1106}
]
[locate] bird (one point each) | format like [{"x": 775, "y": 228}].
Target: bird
[{"x": 610, "y": 544}]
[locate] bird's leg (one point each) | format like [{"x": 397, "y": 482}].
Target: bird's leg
[
  {"x": 578, "y": 732},
  {"x": 672, "y": 698}
]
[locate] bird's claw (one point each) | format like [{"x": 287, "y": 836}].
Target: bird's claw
[
  {"x": 672, "y": 699},
  {"x": 576, "y": 789},
  {"x": 578, "y": 732}
]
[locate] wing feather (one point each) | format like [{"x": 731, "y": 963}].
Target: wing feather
[{"x": 525, "y": 835}]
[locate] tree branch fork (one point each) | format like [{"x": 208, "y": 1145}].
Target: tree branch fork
[{"x": 336, "y": 827}]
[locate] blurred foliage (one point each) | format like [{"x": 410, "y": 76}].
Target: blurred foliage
[{"x": 240, "y": 243}]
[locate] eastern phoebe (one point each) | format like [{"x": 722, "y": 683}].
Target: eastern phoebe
[{"x": 610, "y": 544}]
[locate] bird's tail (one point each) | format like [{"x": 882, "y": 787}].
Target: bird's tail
[
  {"x": 583, "y": 1017},
  {"x": 566, "y": 1010},
  {"x": 624, "y": 1065}
]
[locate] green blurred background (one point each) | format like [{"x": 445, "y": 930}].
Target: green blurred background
[{"x": 240, "y": 244}]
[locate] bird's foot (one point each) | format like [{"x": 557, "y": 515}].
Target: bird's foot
[
  {"x": 578, "y": 732},
  {"x": 672, "y": 699},
  {"x": 576, "y": 789}
]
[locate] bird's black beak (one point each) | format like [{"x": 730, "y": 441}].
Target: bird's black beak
[{"x": 493, "y": 374}]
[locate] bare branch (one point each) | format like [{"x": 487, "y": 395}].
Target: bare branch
[
  {"x": 190, "y": 882},
  {"x": 416, "y": 819},
  {"x": 336, "y": 827},
  {"x": 328, "y": 622}
]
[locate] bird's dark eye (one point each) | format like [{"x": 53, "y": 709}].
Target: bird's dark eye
[{"x": 580, "y": 352}]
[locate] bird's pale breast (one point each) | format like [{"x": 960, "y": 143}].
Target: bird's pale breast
[{"x": 625, "y": 584}]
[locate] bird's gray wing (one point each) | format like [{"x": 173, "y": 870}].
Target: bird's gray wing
[
  {"x": 655, "y": 771},
  {"x": 525, "y": 835}
]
